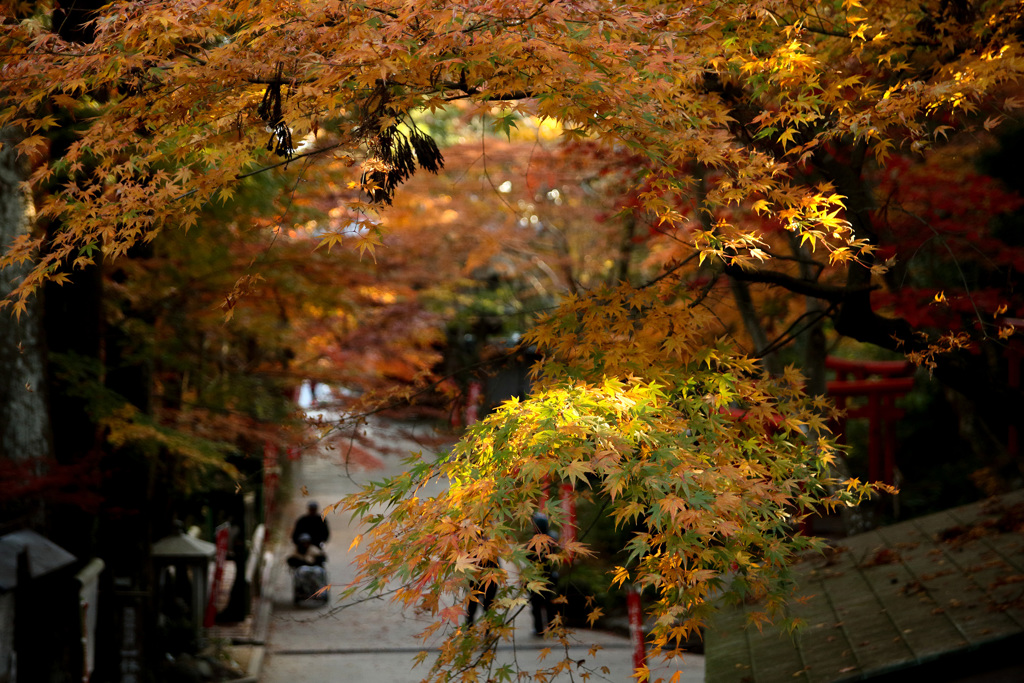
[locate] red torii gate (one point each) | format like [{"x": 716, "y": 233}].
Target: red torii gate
[{"x": 881, "y": 383}]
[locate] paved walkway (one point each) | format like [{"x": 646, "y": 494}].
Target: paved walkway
[{"x": 374, "y": 641}]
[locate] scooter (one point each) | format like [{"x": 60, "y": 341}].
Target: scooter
[{"x": 309, "y": 581}]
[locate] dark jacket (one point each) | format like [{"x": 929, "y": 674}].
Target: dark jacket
[{"x": 314, "y": 525}]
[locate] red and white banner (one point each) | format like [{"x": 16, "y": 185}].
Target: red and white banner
[
  {"x": 476, "y": 390},
  {"x": 221, "y": 558},
  {"x": 636, "y": 629}
]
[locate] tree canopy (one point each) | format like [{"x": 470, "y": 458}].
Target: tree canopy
[
  {"x": 780, "y": 107},
  {"x": 177, "y": 100}
]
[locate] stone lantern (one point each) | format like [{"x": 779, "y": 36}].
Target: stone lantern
[{"x": 182, "y": 564}]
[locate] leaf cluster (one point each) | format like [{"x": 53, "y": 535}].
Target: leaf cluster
[
  {"x": 708, "y": 467},
  {"x": 398, "y": 154},
  {"x": 178, "y": 97}
]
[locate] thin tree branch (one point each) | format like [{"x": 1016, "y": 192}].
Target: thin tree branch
[
  {"x": 831, "y": 293},
  {"x": 792, "y": 333}
]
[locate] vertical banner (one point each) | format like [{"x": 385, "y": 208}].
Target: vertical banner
[
  {"x": 221, "y": 558},
  {"x": 270, "y": 477},
  {"x": 7, "y": 652},
  {"x": 130, "y": 646},
  {"x": 88, "y": 598},
  {"x": 473, "y": 394},
  {"x": 569, "y": 509},
  {"x": 131, "y": 664},
  {"x": 636, "y": 628}
]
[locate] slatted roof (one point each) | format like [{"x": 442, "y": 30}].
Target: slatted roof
[{"x": 912, "y": 594}]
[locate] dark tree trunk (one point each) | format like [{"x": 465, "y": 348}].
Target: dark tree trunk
[
  {"x": 752, "y": 323},
  {"x": 86, "y": 353},
  {"x": 25, "y": 434},
  {"x": 812, "y": 341}
]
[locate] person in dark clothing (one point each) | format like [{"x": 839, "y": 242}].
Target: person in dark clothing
[
  {"x": 540, "y": 602},
  {"x": 238, "y": 603},
  {"x": 481, "y": 594},
  {"x": 309, "y": 576},
  {"x": 313, "y": 524}
]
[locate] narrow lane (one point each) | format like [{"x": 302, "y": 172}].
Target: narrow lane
[{"x": 375, "y": 640}]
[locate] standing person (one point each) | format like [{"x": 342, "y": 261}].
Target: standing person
[
  {"x": 481, "y": 593},
  {"x": 313, "y": 524},
  {"x": 238, "y": 601},
  {"x": 540, "y": 602}
]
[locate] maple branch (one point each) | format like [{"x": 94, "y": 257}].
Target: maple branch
[
  {"x": 48, "y": 53},
  {"x": 962, "y": 371},
  {"x": 264, "y": 169},
  {"x": 406, "y": 399},
  {"x": 473, "y": 91},
  {"x": 370, "y": 8},
  {"x": 670, "y": 271},
  {"x": 956, "y": 264},
  {"x": 821, "y": 30},
  {"x": 803, "y": 261},
  {"x": 705, "y": 291},
  {"x": 188, "y": 55},
  {"x": 789, "y": 334},
  {"x": 831, "y": 293}
]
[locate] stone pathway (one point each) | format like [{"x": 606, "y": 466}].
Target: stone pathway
[{"x": 375, "y": 641}]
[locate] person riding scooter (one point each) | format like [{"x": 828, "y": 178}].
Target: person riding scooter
[
  {"x": 313, "y": 524},
  {"x": 306, "y": 554},
  {"x": 309, "y": 576}
]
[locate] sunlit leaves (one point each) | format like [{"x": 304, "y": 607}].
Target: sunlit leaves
[
  {"x": 749, "y": 90},
  {"x": 709, "y": 468}
]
